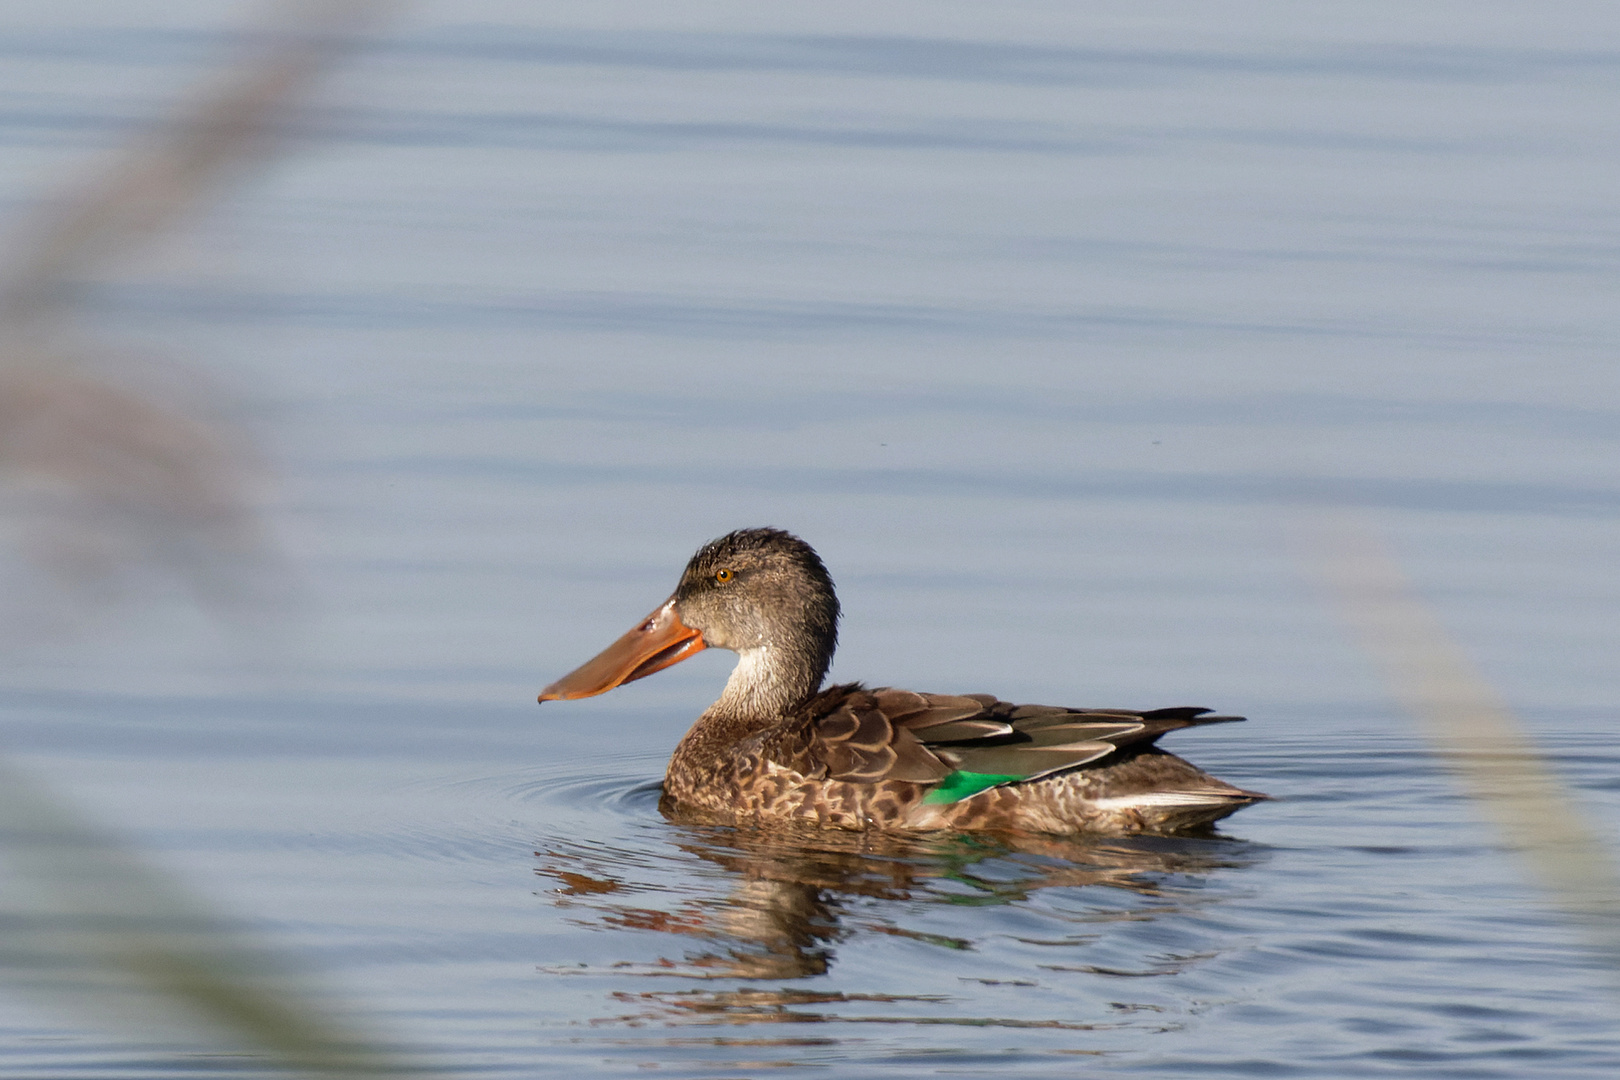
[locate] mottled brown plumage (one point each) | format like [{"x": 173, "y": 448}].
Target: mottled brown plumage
[{"x": 776, "y": 747}]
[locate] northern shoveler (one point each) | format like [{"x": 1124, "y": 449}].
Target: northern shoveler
[{"x": 776, "y": 747}]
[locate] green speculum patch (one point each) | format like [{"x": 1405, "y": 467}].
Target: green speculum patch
[{"x": 962, "y": 784}]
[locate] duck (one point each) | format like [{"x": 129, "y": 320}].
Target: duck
[{"x": 778, "y": 748}]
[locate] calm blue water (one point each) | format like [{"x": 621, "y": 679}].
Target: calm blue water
[{"x": 1046, "y": 326}]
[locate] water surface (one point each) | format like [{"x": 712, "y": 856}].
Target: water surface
[{"x": 1046, "y": 327}]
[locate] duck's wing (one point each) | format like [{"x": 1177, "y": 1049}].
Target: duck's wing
[{"x": 966, "y": 743}]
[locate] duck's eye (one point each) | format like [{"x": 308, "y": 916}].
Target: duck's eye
[{"x": 722, "y": 576}]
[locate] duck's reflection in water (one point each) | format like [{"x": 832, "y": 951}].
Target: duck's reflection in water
[{"x": 789, "y": 898}]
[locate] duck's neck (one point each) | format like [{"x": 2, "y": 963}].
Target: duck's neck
[
  {"x": 765, "y": 687},
  {"x": 766, "y": 684}
]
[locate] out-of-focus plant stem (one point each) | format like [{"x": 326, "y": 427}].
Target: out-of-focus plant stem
[
  {"x": 100, "y": 483},
  {"x": 93, "y": 924},
  {"x": 1473, "y": 731},
  {"x": 212, "y": 137}
]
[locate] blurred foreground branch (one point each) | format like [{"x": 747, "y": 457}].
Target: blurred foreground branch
[
  {"x": 89, "y": 922},
  {"x": 100, "y": 485},
  {"x": 211, "y": 138},
  {"x": 1473, "y": 731}
]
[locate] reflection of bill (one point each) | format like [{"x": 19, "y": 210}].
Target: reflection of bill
[
  {"x": 787, "y": 891},
  {"x": 1479, "y": 739}
]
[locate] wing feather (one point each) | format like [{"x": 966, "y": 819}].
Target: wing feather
[{"x": 871, "y": 736}]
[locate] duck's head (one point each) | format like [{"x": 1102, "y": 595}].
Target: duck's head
[{"x": 762, "y": 593}]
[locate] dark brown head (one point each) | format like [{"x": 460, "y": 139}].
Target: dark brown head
[{"x": 762, "y": 593}]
